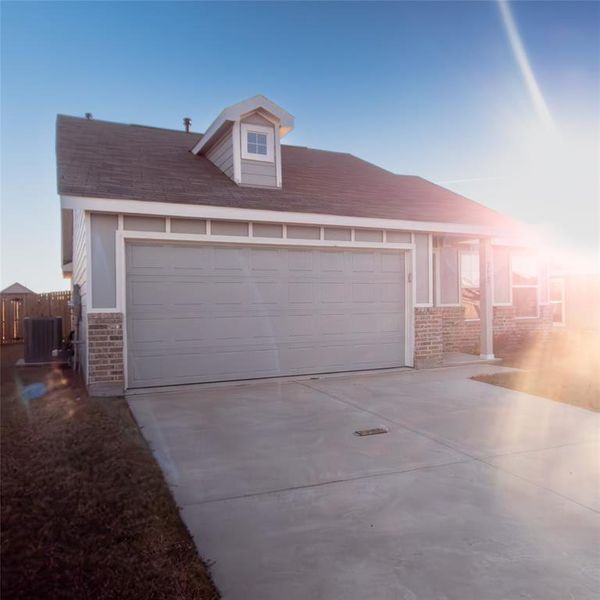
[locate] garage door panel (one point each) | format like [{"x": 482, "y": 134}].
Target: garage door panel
[
  {"x": 392, "y": 262},
  {"x": 141, "y": 258},
  {"x": 363, "y": 262},
  {"x": 392, "y": 292},
  {"x": 300, "y": 261},
  {"x": 229, "y": 259},
  {"x": 189, "y": 259},
  {"x": 146, "y": 331},
  {"x": 364, "y": 292},
  {"x": 154, "y": 292},
  {"x": 189, "y": 293},
  {"x": 253, "y": 312},
  {"x": 390, "y": 323},
  {"x": 267, "y": 292},
  {"x": 333, "y": 292},
  {"x": 332, "y": 262},
  {"x": 263, "y": 260},
  {"x": 227, "y": 292},
  {"x": 301, "y": 292}
]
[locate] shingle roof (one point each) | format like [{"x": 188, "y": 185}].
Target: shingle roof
[
  {"x": 16, "y": 288},
  {"x": 101, "y": 159}
]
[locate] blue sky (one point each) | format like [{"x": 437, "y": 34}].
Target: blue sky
[{"x": 432, "y": 89}]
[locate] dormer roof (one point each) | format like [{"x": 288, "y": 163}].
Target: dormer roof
[{"x": 236, "y": 112}]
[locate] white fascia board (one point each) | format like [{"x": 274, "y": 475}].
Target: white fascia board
[
  {"x": 227, "y": 213},
  {"x": 210, "y": 132},
  {"x": 235, "y": 112}
]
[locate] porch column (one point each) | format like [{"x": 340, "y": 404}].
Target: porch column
[{"x": 486, "y": 310}]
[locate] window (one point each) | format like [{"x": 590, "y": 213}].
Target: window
[
  {"x": 557, "y": 301},
  {"x": 258, "y": 142},
  {"x": 525, "y": 283},
  {"x": 469, "y": 284}
]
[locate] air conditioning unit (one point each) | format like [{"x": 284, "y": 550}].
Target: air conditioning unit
[{"x": 42, "y": 336}]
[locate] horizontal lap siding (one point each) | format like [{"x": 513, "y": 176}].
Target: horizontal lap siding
[
  {"x": 259, "y": 173},
  {"x": 221, "y": 154},
  {"x": 80, "y": 278}
]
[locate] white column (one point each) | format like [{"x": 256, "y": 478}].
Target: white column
[{"x": 486, "y": 309}]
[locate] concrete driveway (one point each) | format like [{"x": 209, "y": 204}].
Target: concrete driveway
[{"x": 475, "y": 493}]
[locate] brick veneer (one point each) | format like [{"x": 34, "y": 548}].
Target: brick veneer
[
  {"x": 510, "y": 332},
  {"x": 460, "y": 335},
  {"x": 444, "y": 329},
  {"x": 429, "y": 344},
  {"x": 437, "y": 330},
  {"x": 105, "y": 350}
]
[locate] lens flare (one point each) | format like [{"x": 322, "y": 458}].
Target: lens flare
[{"x": 537, "y": 98}]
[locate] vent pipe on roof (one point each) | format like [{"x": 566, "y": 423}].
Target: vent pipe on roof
[
  {"x": 187, "y": 123},
  {"x": 89, "y": 116}
]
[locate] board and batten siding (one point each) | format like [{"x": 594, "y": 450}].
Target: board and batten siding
[
  {"x": 423, "y": 268},
  {"x": 221, "y": 154},
  {"x": 80, "y": 278},
  {"x": 102, "y": 263},
  {"x": 104, "y": 290}
]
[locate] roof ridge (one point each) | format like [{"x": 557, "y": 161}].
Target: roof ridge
[
  {"x": 61, "y": 115},
  {"x": 441, "y": 187}
]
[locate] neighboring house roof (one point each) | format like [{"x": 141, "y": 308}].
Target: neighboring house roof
[
  {"x": 16, "y": 288},
  {"x": 100, "y": 159}
]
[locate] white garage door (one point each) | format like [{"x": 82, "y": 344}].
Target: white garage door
[{"x": 198, "y": 313}]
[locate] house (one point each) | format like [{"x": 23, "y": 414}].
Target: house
[
  {"x": 229, "y": 256},
  {"x": 575, "y": 300}
]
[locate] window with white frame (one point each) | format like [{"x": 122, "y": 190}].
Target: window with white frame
[
  {"x": 469, "y": 284},
  {"x": 557, "y": 300},
  {"x": 257, "y": 142},
  {"x": 525, "y": 285}
]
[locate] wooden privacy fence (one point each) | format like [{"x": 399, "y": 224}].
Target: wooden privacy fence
[{"x": 15, "y": 307}]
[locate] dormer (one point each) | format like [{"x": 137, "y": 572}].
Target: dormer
[{"x": 244, "y": 142}]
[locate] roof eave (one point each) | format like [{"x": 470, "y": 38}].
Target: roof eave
[{"x": 121, "y": 205}]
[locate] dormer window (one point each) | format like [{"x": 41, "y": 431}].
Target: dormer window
[{"x": 257, "y": 142}]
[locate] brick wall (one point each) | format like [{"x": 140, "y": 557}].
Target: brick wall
[
  {"x": 105, "y": 348},
  {"x": 429, "y": 345},
  {"x": 510, "y": 332},
  {"x": 444, "y": 329},
  {"x": 460, "y": 335}
]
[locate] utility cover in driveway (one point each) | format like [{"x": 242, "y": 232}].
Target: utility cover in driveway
[{"x": 198, "y": 313}]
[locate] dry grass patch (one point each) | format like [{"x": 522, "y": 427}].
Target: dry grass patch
[
  {"x": 564, "y": 368},
  {"x": 85, "y": 510}
]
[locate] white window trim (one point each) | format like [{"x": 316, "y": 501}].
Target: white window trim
[
  {"x": 269, "y": 132},
  {"x": 563, "y": 312},
  {"x": 537, "y": 292}
]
